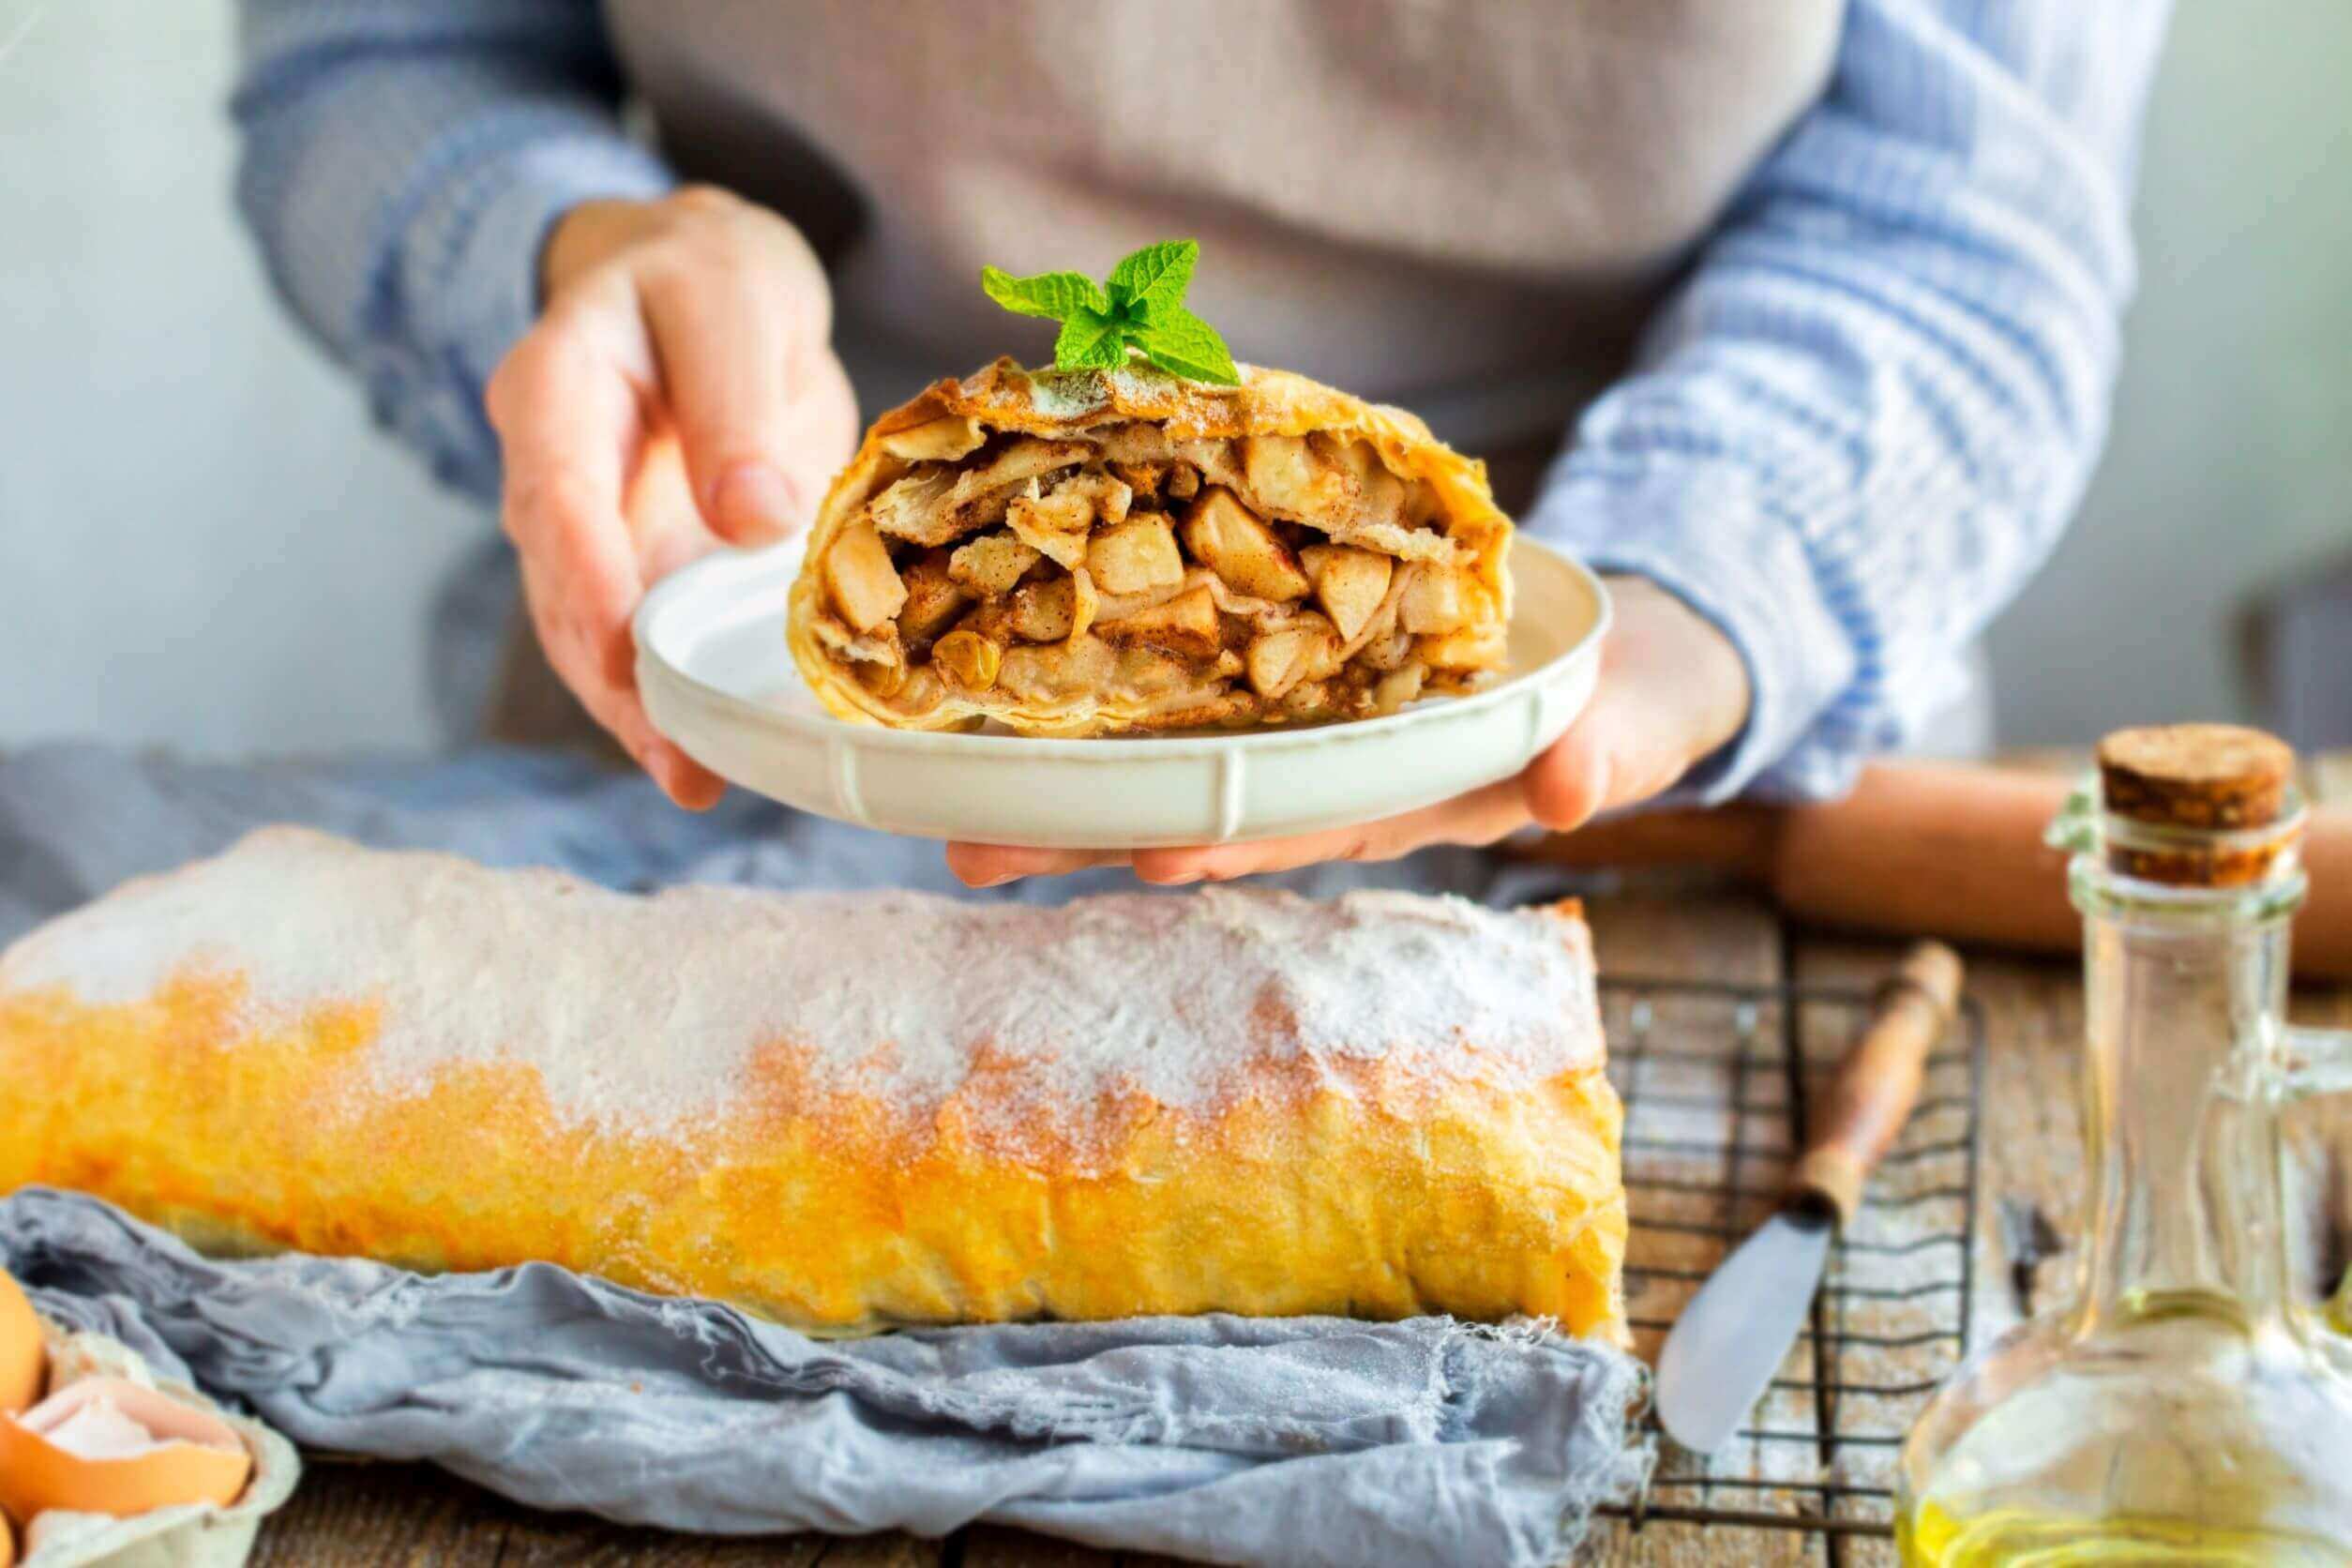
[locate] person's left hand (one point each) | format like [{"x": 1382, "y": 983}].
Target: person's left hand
[{"x": 1672, "y": 689}]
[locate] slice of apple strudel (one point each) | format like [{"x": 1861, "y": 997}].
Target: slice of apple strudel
[
  {"x": 1092, "y": 552},
  {"x": 844, "y": 1111}
]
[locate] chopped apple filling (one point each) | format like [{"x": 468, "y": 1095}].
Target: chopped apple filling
[
  {"x": 990, "y": 565},
  {"x": 1053, "y": 525},
  {"x": 866, "y": 587},
  {"x": 1220, "y": 581},
  {"x": 1350, "y": 584},
  {"x": 1305, "y": 648},
  {"x": 934, "y": 597},
  {"x": 1436, "y": 601},
  {"x": 1135, "y": 556},
  {"x": 1186, "y": 624},
  {"x": 1241, "y": 548},
  {"x": 1295, "y": 481},
  {"x": 1048, "y": 610}
]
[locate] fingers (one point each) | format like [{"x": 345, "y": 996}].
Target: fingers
[
  {"x": 760, "y": 404},
  {"x": 1572, "y": 783},
  {"x": 568, "y": 422},
  {"x": 1672, "y": 689},
  {"x": 1481, "y": 817},
  {"x": 612, "y": 699},
  {"x": 1616, "y": 754},
  {"x": 994, "y": 865},
  {"x": 685, "y": 781}
]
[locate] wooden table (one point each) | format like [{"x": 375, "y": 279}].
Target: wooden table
[{"x": 346, "y": 1515}]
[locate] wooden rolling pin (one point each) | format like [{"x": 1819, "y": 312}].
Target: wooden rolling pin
[{"x": 1926, "y": 849}]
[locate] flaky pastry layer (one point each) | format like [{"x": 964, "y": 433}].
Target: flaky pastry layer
[
  {"x": 1304, "y": 1183},
  {"x": 1096, "y": 553}
]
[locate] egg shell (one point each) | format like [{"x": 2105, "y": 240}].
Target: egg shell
[
  {"x": 198, "y": 1456},
  {"x": 21, "y": 1358}
]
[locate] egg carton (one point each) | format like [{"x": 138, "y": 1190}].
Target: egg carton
[{"x": 193, "y": 1535}]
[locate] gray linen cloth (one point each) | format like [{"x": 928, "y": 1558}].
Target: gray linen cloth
[{"x": 1299, "y": 1441}]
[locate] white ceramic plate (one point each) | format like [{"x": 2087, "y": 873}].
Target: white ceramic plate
[{"x": 718, "y": 680}]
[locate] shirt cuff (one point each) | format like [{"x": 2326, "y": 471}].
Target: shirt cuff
[
  {"x": 1705, "y": 539},
  {"x": 474, "y": 259}
]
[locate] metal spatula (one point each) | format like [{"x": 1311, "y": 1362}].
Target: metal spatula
[{"x": 1735, "y": 1333}]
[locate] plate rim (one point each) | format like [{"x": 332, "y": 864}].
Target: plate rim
[{"x": 822, "y": 728}]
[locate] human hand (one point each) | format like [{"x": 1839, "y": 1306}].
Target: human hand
[
  {"x": 679, "y": 391},
  {"x": 1673, "y": 688}
]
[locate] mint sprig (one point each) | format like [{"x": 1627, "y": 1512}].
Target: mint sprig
[{"x": 1142, "y": 304}]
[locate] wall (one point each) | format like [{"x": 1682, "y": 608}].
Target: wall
[
  {"x": 203, "y": 543},
  {"x": 2230, "y": 463}
]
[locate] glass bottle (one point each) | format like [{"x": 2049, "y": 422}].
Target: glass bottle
[{"x": 2182, "y": 1408}]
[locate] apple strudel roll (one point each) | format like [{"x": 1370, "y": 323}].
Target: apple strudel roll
[
  {"x": 845, "y": 1112},
  {"x": 1092, "y": 552}
]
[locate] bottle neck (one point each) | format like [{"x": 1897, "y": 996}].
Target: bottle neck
[{"x": 2184, "y": 1005}]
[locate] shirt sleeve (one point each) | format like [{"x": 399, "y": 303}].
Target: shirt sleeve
[
  {"x": 1866, "y": 417},
  {"x": 402, "y": 161}
]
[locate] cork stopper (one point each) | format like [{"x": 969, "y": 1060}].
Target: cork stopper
[{"x": 2186, "y": 803}]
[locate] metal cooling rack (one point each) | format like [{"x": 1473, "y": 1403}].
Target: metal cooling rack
[{"x": 1715, "y": 1078}]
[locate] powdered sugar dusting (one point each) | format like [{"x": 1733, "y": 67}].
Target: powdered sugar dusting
[
  {"x": 641, "y": 1012},
  {"x": 1067, "y": 395}
]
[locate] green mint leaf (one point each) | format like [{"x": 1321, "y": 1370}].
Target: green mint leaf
[
  {"x": 1057, "y": 295},
  {"x": 1143, "y": 305},
  {"x": 1183, "y": 344},
  {"x": 1153, "y": 280},
  {"x": 1090, "y": 339}
]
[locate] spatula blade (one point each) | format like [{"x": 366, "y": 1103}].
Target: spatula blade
[{"x": 1731, "y": 1339}]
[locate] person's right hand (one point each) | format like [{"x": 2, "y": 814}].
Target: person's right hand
[{"x": 679, "y": 391}]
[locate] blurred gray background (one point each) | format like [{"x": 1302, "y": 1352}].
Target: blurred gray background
[{"x": 206, "y": 545}]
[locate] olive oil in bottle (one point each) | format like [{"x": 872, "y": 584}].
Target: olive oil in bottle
[
  {"x": 2181, "y": 1408},
  {"x": 2005, "y": 1538}
]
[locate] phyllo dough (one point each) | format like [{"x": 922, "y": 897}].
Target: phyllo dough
[
  {"x": 845, "y": 1112},
  {"x": 1090, "y": 552}
]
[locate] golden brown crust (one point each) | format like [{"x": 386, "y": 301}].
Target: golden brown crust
[
  {"x": 417, "y": 1099},
  {"x": 1062, "y": 405},
  {"x": 833, "y": 1216},
  {"x": 1007, "y": 397}
]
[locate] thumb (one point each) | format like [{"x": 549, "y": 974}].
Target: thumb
[
  {"x": 1573, "y": 781},
  {"x": 1673, "y": 688}
]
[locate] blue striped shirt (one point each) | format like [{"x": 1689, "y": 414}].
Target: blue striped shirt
[{"x": 1847, "y": 439}]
